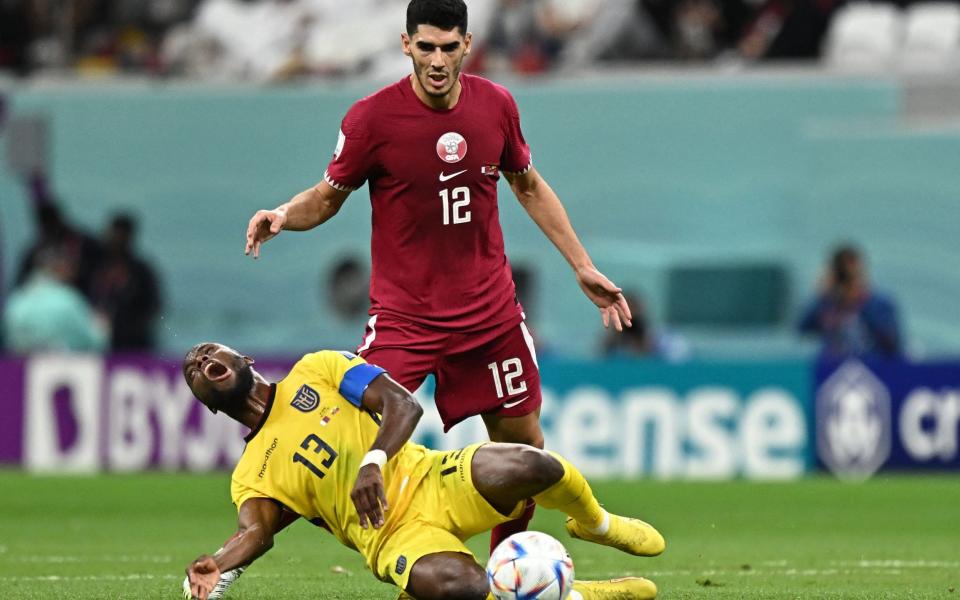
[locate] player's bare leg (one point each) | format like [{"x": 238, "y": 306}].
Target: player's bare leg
[
  {"x": 516, "y": 430},
  {"x": 457, "y": 576},
  {"x": 447, "y": 576},
  {"x": 506, "y": 474}
]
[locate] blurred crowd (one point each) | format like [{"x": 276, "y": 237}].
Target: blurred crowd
[
  {"x": 269, "y": 40},
  {"x": 79, "y": 292}
]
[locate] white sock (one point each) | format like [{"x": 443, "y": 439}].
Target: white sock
[{"x": 603, "y": 527}]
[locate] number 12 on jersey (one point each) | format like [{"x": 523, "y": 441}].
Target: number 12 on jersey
[
  {"x": 510, "y": 370},
  {"x": 453, "y": 212}
]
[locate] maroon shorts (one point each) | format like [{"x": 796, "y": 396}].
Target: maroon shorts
[{"x": 493, "y": 371}]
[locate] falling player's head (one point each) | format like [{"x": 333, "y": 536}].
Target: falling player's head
[
  {"x": 219, "y": 376},
  {"x": 437, "y": 40}
]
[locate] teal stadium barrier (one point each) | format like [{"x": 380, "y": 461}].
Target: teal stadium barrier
[{"x": 656, "y": 172}]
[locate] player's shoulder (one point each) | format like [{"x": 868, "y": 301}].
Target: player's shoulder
[
  {"x": 486, "y": 89},
  {"x": 366, "y": 109},
  {"x": 327, "y": 360}
]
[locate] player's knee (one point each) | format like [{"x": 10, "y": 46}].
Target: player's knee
[
  {"x": 463, "y": 585},
  {"x": 478, "y": 587},
  {"x": 538, "y": 467}
]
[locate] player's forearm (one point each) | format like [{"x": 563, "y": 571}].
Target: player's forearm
[
  {"x": 401, "y": 413},
  {"x": 546, "y": 210},
  {"x": 309, "y": 209},
  {"x": 247, "y": 546}
]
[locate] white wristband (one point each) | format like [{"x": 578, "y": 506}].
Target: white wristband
[{"x": 374, "y": 457}]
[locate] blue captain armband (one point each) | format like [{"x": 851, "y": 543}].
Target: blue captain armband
[{"x": 356, "y": 380}]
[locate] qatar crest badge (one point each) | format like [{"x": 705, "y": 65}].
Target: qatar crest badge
[{"x": 451, "y": 147}]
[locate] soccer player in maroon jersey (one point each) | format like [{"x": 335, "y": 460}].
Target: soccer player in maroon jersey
[{"x": 432, "y": 148}]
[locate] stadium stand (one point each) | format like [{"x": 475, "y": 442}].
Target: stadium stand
[
  {"x": 864, "y": 36},
  {"x": 931, "y": 38}
]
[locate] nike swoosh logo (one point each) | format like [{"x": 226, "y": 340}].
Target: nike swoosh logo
[
  {"x": 451, "y": 175},
  {"x": 512, "y": 404}
]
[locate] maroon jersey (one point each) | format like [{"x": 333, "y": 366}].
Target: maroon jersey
[{"x": 437, "y": 246}]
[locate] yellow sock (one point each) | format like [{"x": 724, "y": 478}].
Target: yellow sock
[{"x": 572, "y": 495}]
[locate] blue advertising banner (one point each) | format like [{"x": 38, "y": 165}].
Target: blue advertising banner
[{"x": 887, "y": 416}]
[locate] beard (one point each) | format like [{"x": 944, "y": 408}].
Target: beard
[
  {"x": 422, "y": 75},
  {"x": 234, "y": 397}
]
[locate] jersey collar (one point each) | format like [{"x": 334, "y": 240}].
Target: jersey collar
[{"x": 266, "y": 414}]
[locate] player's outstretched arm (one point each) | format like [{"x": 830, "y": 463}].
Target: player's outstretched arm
[
  {"x": 400, "y": 412},
  {"x": 259, "y": 519},
  {"x": 304, "y": 211},
  {"x": 544, "y": 207}
]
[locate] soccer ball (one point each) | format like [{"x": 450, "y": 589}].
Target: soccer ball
[{"x": 530, "y": 565}]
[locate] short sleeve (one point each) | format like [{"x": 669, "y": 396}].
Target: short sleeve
[
  {"x": 241, "y": 493},
  {"x": 516, "y": 153},
  {"x": 350, "y": 374},
  {"x": 356, "y": 380},
  {"x": 353, "y": 156}
]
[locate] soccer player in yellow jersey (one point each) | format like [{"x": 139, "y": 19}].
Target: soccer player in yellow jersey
[{"x": 330, "y": 443}]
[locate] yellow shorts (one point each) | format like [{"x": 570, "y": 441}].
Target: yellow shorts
[{"x": 446, "y": 509}]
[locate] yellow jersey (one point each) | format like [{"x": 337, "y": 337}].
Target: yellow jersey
[{"x": 307, "y": 450}]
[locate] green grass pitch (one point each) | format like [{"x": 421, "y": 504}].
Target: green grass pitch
[{"x": 130, "y": 536}]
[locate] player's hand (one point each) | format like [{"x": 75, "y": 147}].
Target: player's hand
[
  {"x": 368, "y": 496},
  {"x": 264, "y": 225},
  {"x": 203, "y": 574},
  {"x": 607, "y": 296}
]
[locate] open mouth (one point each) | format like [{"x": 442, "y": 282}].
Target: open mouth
[
  {"x": 215, "y": 370},
  {"x": 437, "y": 80}
]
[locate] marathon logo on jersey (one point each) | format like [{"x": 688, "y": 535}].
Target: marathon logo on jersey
[
  {"x": 451, "y": 147},
  {"x": 307, "y": 399},
  {"x": 266, "y": 458},
  {"x": 401, "y": 565},
  {"x": 490, "y": 170},
  {"x": 854, "y": 430}
]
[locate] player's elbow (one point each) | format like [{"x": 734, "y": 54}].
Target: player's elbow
[
  {"x": 526, "y": 195},
  {"x": 257, "y": 538},
  {"x": 414, "y": 408},
  {"x": 264, "y": 543},
  {"x": 404, "y": 403}
]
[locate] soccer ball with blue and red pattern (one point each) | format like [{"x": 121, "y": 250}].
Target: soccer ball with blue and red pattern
[{"x": 530, "y": 565}]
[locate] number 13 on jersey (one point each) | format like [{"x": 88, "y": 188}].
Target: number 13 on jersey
[{"x": 455, "y": 212}]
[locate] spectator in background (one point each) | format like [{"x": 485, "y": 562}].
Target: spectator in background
[
  {"x": 348, "y": 288},
  {"x": 14, "y": 36},
  {"x": 642, "y": 340},
  {"x": 591, "y": 31},
  {"x": 125, "y": 289},
  {"x": 54, "y": 233},
  {"x": 47, "y": 313},
  {"x": 788, "y": 30},
  {"x": 516, "y": 39},
  {"x": 850, "y": 318}
]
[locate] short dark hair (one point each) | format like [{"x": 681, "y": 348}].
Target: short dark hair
[
  {"x": 124, "y": 222},
  {"x": 445, "y": 14},
  {"x": 843, "y": 256}
]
